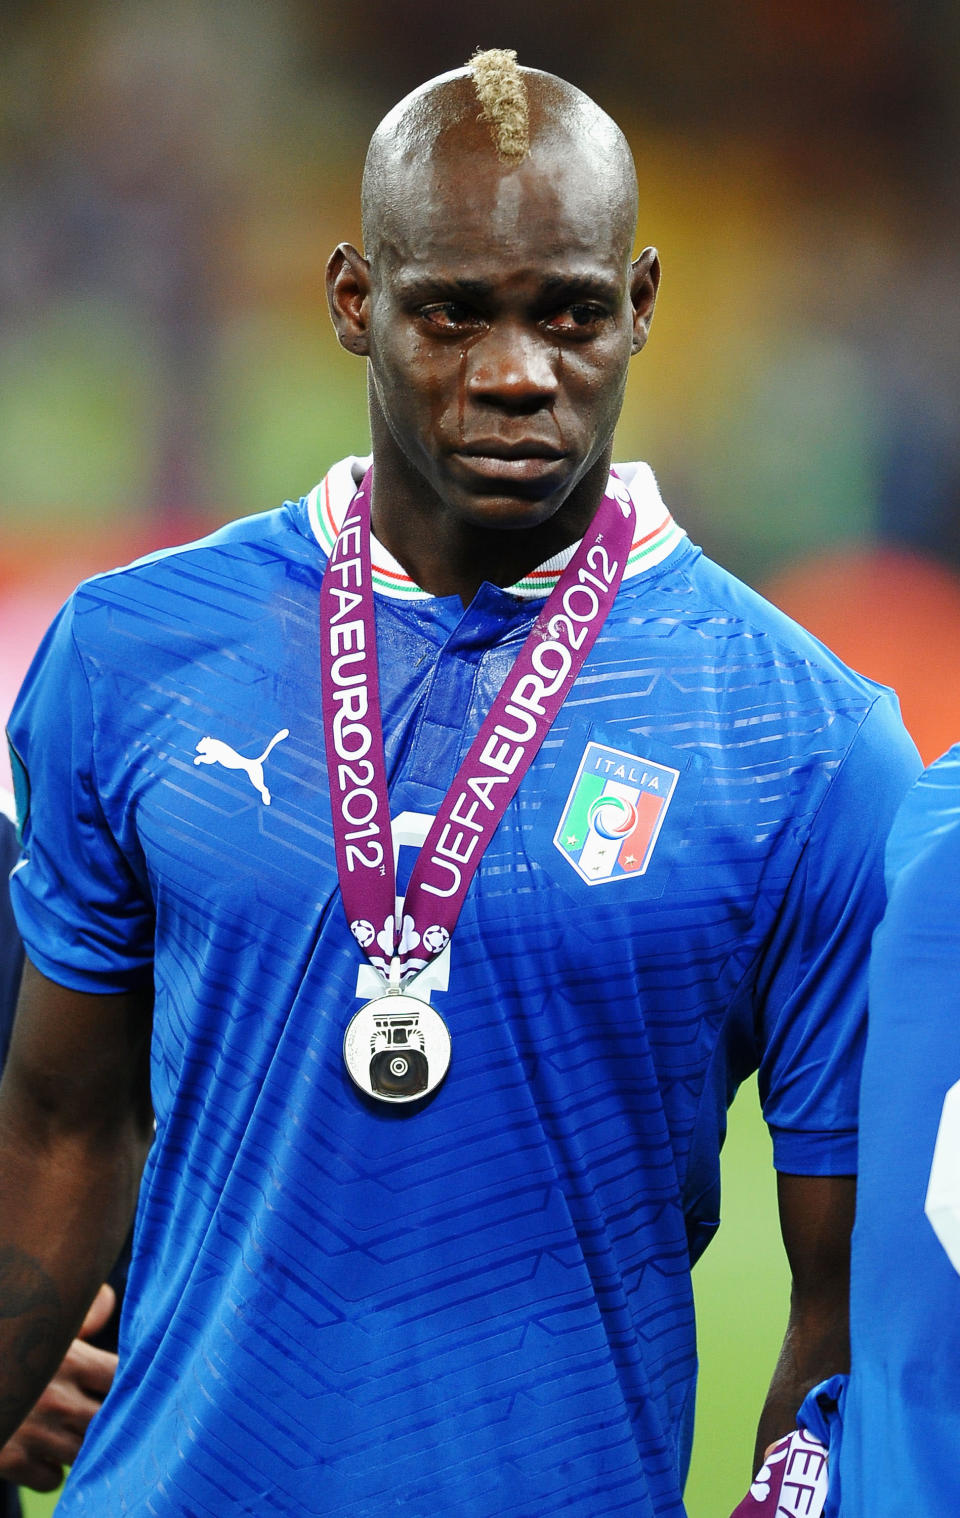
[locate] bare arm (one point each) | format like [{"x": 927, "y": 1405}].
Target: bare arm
[
  {"x": 816, "y": 1217},
  {"x": 75, "y": 1126},
  {"x": 51, "y": 1434}
]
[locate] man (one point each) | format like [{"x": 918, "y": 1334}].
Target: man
[
  {"x": 900, "y": 1451},
  {"x": 52, "y": 1432},
  {"x": 429, "y": 1175},
  {"x": 886, "y": 1436}
]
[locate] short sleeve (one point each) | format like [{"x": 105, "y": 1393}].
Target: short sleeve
[
  {"x": 813, "y": 981},
  {"x": 85, "y": 919}
]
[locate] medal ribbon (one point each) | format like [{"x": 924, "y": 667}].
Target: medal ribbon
[{"x": 509, "y": 738}]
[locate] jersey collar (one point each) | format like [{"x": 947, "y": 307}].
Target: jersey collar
[{"x": 655, "y": 535}]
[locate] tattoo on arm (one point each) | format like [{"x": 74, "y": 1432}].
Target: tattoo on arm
[{"x": 31, "y": 1325}]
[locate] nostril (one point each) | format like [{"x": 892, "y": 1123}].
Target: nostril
[
  {"x": 515, "y": 378},
  {"x": 512, "y": 365}
]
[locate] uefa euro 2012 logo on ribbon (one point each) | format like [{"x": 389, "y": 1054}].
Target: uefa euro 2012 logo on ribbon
[{"x": 614, "y": 813}]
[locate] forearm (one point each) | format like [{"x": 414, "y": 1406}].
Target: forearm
[
  {"x": 65, "y": 1208},
  {"x": 815, "y": 1346},
  {"x": 816, "y": 1218},
  {"x": 75, "y": 1124}
]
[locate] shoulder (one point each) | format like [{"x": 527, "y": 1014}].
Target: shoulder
[
  {"x": 244, "y": 542},
  {"x": 762, "y": 631},
  {"x": 170, "y": 608},
  {"x": 928, "y": 821},
  {"x": 737, "y": 632},
  {"x": 210, "y": 586},
  {"x": 242, "y": 553}
]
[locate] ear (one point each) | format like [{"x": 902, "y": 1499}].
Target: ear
[
  {"x": 644, "y": 284},
  {"x": 348, "y": 296}
]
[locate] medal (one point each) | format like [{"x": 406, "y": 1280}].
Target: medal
[{"x": 397, "y": 1048}]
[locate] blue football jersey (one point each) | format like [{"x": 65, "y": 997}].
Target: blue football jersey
[
  {"x": 901, "y": 1426},
  {"x": 482, "y": 1307}
]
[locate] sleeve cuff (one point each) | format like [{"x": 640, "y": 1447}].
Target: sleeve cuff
[
  {"x": 94, "y": 982},
  {"x": 815, "y": 1152}
]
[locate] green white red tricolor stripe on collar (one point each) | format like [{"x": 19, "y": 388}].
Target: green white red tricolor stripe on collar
[{"x": 655, "y": 534}]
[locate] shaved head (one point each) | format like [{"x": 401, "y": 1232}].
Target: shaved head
[{"x": 499, "y": 111}]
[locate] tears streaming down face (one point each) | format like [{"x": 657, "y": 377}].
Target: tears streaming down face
[{"x": 502, "y": 306}]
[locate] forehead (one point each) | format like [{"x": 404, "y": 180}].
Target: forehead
[{"x": 465, "y": 212}]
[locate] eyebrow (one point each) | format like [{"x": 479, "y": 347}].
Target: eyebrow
[
  {"x": 580, "y": 284},
  {"x": 414, "y": 286}
]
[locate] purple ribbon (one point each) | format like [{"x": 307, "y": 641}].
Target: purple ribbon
[
  {"x": 791, "y": 1483},
  {"x": 506, "y": 745}
]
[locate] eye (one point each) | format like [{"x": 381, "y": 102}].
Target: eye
[
  {"x": 580, "y": 318},
  {"x": 449, "y": 316}
]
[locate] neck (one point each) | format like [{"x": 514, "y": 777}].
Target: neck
[{"x": 448, "y": 556}]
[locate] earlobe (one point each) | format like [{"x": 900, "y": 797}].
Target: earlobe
[
  {"x": 644, "y": 284},
  {"x": 348, "y": 297}
]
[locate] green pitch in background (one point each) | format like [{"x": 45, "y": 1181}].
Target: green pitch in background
[{"x": 742, "y": 1290}]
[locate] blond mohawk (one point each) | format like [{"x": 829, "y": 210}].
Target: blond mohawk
[{"x": 503, "y": 96}]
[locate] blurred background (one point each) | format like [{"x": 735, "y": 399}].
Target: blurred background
[{"x": 174, "y": 173}]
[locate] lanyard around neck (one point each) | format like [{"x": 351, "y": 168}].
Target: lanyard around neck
[{"x": 498, "y": 758}]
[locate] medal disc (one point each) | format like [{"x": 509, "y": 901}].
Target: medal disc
[{"x": 397, "y": 1048}]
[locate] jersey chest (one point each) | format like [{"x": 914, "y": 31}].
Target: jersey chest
[{"x": 648, "y": 818}]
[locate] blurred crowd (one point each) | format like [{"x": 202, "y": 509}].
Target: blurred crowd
[{"x": 173, "y": 177}]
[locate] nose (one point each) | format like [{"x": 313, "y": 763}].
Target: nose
[{"x": 514, "y": 367}]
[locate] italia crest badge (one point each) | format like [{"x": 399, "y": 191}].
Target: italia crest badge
[{"x": 613, "y": 814}]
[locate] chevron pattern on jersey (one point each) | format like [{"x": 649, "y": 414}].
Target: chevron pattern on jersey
[{"x": 480, "y": 1308}]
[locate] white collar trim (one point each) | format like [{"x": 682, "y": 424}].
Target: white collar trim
[{"x": 656, "y": 534}]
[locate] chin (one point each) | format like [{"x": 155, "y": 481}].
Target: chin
[
  {"x": 509, "y": 513},
  {"x": 511, "y": 506}
]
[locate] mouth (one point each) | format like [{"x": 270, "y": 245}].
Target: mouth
[{"x": 523, "y": 462}]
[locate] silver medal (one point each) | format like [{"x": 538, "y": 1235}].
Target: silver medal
[{"x": 397, "y": 1048}]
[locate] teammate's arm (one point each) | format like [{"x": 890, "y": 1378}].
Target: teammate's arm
[
  {"x": 75, "y": 1125},
  {"x": 816, "y": 1219}
]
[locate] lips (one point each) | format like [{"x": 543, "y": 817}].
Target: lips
[
  {"x": 522, "y": 462},
  {"x": 498, "y": 448}
]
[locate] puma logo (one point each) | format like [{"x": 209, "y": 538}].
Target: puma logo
[{"x": 215, "y": 751}]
